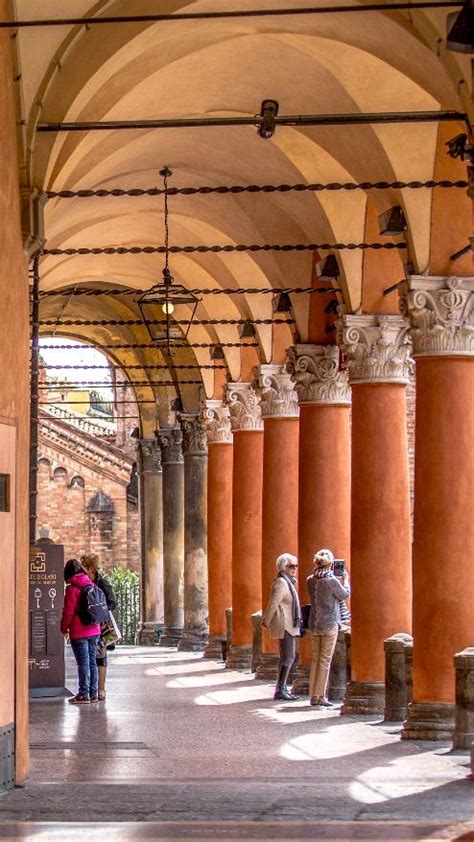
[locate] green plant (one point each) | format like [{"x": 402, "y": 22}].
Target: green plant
[{"x": 126, "y": 585}]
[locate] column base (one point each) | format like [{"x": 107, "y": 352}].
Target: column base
[
  {"x": 148, "y": 634},
  {"x": 171, "y": 637},
  {"x": 301, "y": 680},
  {"x": 239, "y": 657},
  {"x": 267, "y": 669},
  {"x": 215, "y": 648},
  {"x": 193, "y": 640},
  {"x": 429, "y": 721},
  {"x": 364, "y": 698}
]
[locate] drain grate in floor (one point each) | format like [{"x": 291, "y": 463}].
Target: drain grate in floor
[{"x": 88, "y": 745}]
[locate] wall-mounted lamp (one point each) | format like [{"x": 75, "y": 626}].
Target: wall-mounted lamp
[
  {"x": 458, "y": 147},
  {"x": 217, "y": 352},
  {"x": 268, "y": 112},
  {"x": 460, "y": 29},
  {"x": 392, "y": 222},
  {"x": 282, "y": 303},
  {"x": 176, "y": 405},
  {"x": 331, "y": 308},
  {"x": 246, "y": 330},
  {"x": 328, "y": 269}
]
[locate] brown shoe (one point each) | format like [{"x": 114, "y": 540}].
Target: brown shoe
[
  {"x": 313, "y": 701},
  {"x": 79, "y": 700}
]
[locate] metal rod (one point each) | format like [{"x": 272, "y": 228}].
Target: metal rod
[
  {"x": 247, "y": 13},
  {"x": 290, "y": 120},
  {"x": 460, "y": 253},
  {"x": 34, "y": 399},
  {"x": 388, "y": 290}
]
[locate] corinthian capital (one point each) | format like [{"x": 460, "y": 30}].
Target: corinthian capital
[
  {"x": 377, "y": 348},
  {"x": 215, "y": 417},
  {"x": 170, "y": 441},
  {"x": 315, "y": 371},
  {"x": 194, "y": 435},
  {"x": 277, "y": 391},
  {"x": 150, "y": 456},
  {"x": 441, "y": 313},
  {"x": 244, "y": 407}
]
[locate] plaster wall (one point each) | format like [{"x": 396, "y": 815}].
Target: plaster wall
[{"x": 14, "y": 409}]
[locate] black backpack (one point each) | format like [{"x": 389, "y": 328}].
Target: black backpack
[{"x": 92, "y": 606}]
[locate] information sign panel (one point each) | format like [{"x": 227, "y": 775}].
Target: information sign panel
[{"x": 46, "y": 649}]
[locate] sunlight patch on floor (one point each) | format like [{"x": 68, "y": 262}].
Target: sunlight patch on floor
[
  {"x": 337, "y": 741},
  {"x": 180, "y": 669},
  {"x": 210, "y": 680},
  {"x": 232, "y": 697}
]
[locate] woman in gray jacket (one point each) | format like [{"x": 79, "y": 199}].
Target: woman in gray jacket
[
  {"x": 283, "y": 618},
  {"x": 325, "y": 592}
]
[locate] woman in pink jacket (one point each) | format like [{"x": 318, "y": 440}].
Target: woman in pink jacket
[{"x": 84, "y": 639}]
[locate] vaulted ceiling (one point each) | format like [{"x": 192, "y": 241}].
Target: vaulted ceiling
[{"x": 311, "y": 64}]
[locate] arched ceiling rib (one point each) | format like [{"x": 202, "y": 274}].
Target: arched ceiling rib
[{"x": 316, "y": 64}]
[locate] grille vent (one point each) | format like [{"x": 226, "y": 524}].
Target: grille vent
[{"x": 88, "y": 745}]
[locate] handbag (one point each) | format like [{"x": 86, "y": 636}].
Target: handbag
[{"x": 109, "y": 631}]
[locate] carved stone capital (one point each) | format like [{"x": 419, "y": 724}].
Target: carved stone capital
[
  {"x": 170, "y": 441},
  {"x": 194, "y": 435},
  {"x": 244, "y": 407},
  {"x": 150, "y": 456},
  {"x": 377, "y": 348},
  {"x": 277, "y": 391},
  {"x": 441, "y": 314},
  {"x": 315, "y": 370},
  {"x": 215, "y": 416}
]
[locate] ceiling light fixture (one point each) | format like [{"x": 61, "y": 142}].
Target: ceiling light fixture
[
  {"x": 282, "y": 303},
  {"x": 392, "y": 223},
  {"x": 247, "y": 330},
  {"x": 328, "y": 269},
  {"x": 168, "y": 295},
  {"x": 266, "y": 124},
  {"x": 217, "y": 352}
]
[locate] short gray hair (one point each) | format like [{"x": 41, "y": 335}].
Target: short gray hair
[{"x": 283, "y": 560}]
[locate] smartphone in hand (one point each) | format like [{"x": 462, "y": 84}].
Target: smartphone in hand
[{"x": 338, "y": 566}]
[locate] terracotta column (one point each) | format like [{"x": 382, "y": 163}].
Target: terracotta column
[
  {"x": 324, "y": 467},
  {"x": 170, "y": 441},
  {"x": 378, "y": 361},
  {"x": 279, "y": 406},
  {"x": 151, "y": 513},
  {"x": 442, "y": 329},
  {"x": 216, "y": 418},
  {"x": 195, "y": 631},
  {"x": 247, "y": 426}
]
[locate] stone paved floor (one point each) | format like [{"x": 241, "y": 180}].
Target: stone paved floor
[{"x": 194, "y": 751}]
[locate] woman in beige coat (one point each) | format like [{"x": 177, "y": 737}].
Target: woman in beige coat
[{"x": 283, "y": 618}]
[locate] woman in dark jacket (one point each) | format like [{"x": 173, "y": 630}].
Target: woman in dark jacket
[{"x": 90, "y": 564}]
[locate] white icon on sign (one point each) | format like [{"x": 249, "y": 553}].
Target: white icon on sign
[
  {"x": 52, "y": 596},
  {"x": 37, "y": 596}
]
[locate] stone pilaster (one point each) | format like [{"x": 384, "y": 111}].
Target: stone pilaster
[
  {"x": 215, "y": 417},
  {"x": 377, "y": 357},
  {"x": 441, "y": 315},
  {"x": 151, "y": 512},
  {"x": 244, "y": 407},
  {"x": 398, "y": 676},
  {"x": 377, "y": 348},
  {"x": 464, "y": 718},
  {"x": 278, "y": 397},
  {"x": 170, "y": 441},
  {"x": 195, "y": 631},
  {"x": 317, "y": 375}
]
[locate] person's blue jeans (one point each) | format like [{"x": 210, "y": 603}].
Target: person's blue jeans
[{"x": 85, "y": 650}]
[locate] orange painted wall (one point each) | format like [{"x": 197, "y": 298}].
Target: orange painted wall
[
  {"x": 381, "y": 268},
  {"x": 14, "y": 392},
  {"x": 443, "y": 549}
]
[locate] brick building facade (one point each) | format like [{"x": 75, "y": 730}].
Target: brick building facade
[{"x": 87, "y": 495}]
